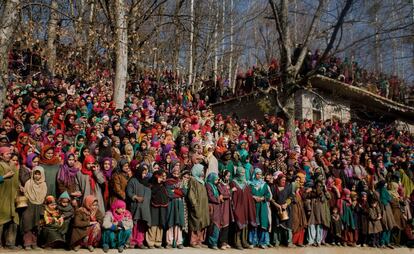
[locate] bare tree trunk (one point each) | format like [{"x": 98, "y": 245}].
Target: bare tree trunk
[
  {"x": 121, "y": 54},
  {"x": 90, "y": 36},
  {"x": 9, "y": 19},
  {"x": 223, "y": 32},
  {"x": 231, "y": 46},
  {"x": 216, "y": 45},
  {"x": 51, "y": 38},
  {"x": 190, "y": 62}
]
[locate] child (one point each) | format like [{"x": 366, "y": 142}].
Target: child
[
  {"x": 35, "y": 191},
  {"x": 66, "y": 208},
  {"x": 52, "y": 232},
  {"x": 117, "y": 227},
  {"x": 374, "y": 223},
  {"x": 336, "y": 227},
  {"x": 87, "y": 225}
]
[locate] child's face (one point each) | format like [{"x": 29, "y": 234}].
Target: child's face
[
  {"x": 335, "y": 211},
  {"x": 37, "y": 176},
  {"x": 52, "y": 206},
  {"x": 64, "y": 202}
]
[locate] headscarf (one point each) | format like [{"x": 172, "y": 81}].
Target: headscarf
[
  {"x": 138, "y": 175},
  {"x": 30, "y": 158},
  {"x": 87, "y": 207},
  {"x": 53, "y": 161},
  {"x": 116, "y": 205},
  {"x": 394, "y": 190},
  {"x": 338, "y": 184},
  {"x": 211, "y": 178},
  {"x": 86, "y": 171},
  {"x": 197, "y": 171},
  {"x": 107, "y": 173},
  {"x": 257, "y": 183},
  {"x": 67, "y": 174},
  {"x": 35, "y": 191},
  {"x": 239, "y": 178},
  {"x": 384, "y": 196}
]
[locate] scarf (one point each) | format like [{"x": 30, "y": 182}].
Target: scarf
[
  {"x": 67, "y": 174},
  {"x": 257, "y": 183},
  {"x": 86, "y": 171},
  {"x": 385, "y": 197},
  {"x": 159, "y": 194},
  {"x": 197, "y": 172},
  {"x": 87, "y": 207},
  {"x": 35, "y": 191},
  {"x": 240, "y": 178},
  {"x": 394, "y": 190},
  {"x": 107, "y": 173},
  {"x": 116, "y": 205},
  {"x": 43, "y": 160},
  {"x": 211, "y": 178}
]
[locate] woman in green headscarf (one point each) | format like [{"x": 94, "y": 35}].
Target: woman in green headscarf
[
  {"x": 259, "y": 236},
  {"x": 214, "y": 201},
  {"x": 198, "y": 217},
  {"x": 243, "y": 208},
  {"x": 388, "y": 222}
]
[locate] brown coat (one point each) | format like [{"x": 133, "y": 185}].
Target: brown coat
[
  {"x": 299, "y": 221},
  {"x": 119, "y": 183},
  {"x": 374, "y": 223},
  {"x": 398, "y": 214},
  {"x": 81, "y": 222}
]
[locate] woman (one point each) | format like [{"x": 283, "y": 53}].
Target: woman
[
  {"x": 139, "y": 197},
  {"x": 214, "y": 201},
  {"x": 159, "y": 205},
  {"x": 259, "y": 235},
  {"x": 388, "y": 221},
  {"x": 35, "y": 191},
  {"x": 226, "y": 215},
  {"x": 198, "y": 219},
  {"x": 25, "y": 170},
  {"x": 89, "y": 180},
  {"x": 299, "y": 222},
  {"x": 397, "y": 208},
  {"x": 117, "y": 226},
  {"x": 119, "y": 180},
  {"x": 243, "y": 209},
  {"x": 66, "y": 177},
  {"x": 175, "y": 212},
  {"x": 87, "y": 225},
  {"x": 51, "y": 164}
]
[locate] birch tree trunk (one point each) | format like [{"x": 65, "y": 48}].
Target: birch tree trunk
[
  {"x": 216, "y": 45},
  {"x": 190, "y": 62},
  {"x": 9, "y": 19},
  {"x": 51, "y": 37},
  {"x": 121, "y": 55},
  {"x": 231, "y": 47},
  {"x": 90, "y": 40}
]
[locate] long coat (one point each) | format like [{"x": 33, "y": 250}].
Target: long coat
[
  {"x": 8, "y": 193},
  {"x": 374, "y": 224},
  {"x": 83, "y": 185},
  {"x": 80, "y": 225},
  {"x": 139, "y": 211},
  {"x": 244, "y": 209},
  {"x": 198, "y": 216}
]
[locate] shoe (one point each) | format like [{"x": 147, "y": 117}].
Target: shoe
[
  {"x": 168, "y": 246},
  {"x": 291, "y": 245},
  {"x": 250, "y": 247},
  {"x": 13, "y": 247},
  {"x": 76, "y": 248},
  {"x": 390, "y": 246},
  {"x": 203, "y": 245},
  {"x": 105, "y": 248},
  {"x": 151, "y": 247},
  {"x": 223, "y": 247},
  {"x": 91, "y": 248},
  {"x": 35, "y": 247},
  {"x": 120, "y": 249},
  {"x": 195, "y": 246},
  {"x": 262, "y": 246},
  {"x": 158, "y": 246},
  {"x": 27, "y": 248},
  {"x": 213, "y": 247},
  {"x": 142, "y": 247},
  {"x": 239, "y": 247},
  {"x": 300, "y": 245},
  {"x": 180, "y": 246}
]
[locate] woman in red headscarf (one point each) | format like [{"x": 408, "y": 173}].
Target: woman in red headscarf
[
  {"x": 33, "y": 108},
  {"x": 51, "y": 163},
  {"x": 87, "y": 225}
]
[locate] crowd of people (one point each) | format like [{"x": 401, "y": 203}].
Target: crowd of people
[{"x": 166, "y": 172}]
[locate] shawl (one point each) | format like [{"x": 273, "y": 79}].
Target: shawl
[
  {"x": 257, "y": 183},
  {"x": 211, "y": 179},
  {"x": 87, "y": 207},
  {"x": 86, "y": 171},
  {"x": 198, "y": 172},
  {"x": 35, "y": 191},
  {"x": 240, "y": 178},
  {"x": 67, "y": 174},
  {"x": 159, "y": 194},
  {"x": 385, "y": 197},
  {"x": 37, "y": 112},
  {"x": 393, "y": 190},
  {"x": 30, "y": 158},
  {"x": 116, "y": 205},
  {"x": 53, "y": 161},
  {"x": 107, "y": 173}
]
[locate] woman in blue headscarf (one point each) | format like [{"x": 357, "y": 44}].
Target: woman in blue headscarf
[
  {"x": 259, "y": 236},
  {"x": 214, "y": 201}
]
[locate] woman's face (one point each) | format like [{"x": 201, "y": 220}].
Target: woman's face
[
  {"x": 38, "y": 131},
  {"x": 168, "y": 159},
  {"x": 59, "y": 138},
  {"x": 86, "y": 152},
  {"x": 37, "y": 175},
  {"x": 71, "y": 161},
  {"x": 35, "y": 162},
  {"x": 105, "y": 143},
  {"x": 49, "y": 154},
  {"x": 15, "y": 160},
  {"x": 107, "y": 165},
  {"x": 144, "y": 173},
  {"x": 126, "y": 168},
  {"x": 32, "y": 119}
]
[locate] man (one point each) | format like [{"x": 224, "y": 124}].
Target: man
[{"x": 8, "y": 192}]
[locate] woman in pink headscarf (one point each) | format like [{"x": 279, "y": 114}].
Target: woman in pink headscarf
[{"x": 117, "y": 226}]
